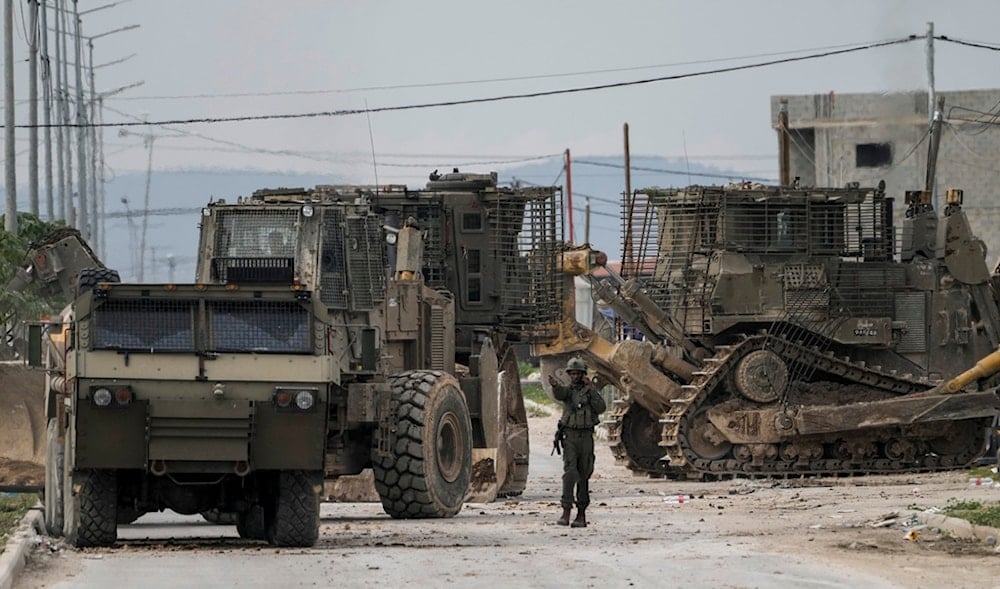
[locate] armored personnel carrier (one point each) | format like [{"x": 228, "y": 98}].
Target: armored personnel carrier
[
  {"x": 482, "y": 245},
  {"x": 788, "y": 331}
]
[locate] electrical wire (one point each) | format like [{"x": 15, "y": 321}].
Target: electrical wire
[
  {"x": 487, "y": 99},
  {"x": 667, "y": 171},
  {"x": 976, "y": 44},
  {"x": 485, "y": 80}
]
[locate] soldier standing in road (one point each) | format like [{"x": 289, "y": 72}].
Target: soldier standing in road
[{"x": 582, "y": 407}]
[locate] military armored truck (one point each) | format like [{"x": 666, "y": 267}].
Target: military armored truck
[
  {"x": 483, "y": 245},
  {"x": 787, "y": 332}
]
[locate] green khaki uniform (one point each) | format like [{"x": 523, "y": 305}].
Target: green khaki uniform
[{"x": 582, "y": 408}]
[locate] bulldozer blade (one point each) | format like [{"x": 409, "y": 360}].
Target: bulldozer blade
[
  {"x": 906, "y": 410},
  {"x": 22, "y": 429}
]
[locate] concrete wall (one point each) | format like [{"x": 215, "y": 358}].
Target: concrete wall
[{"x": 968, "y": 159}]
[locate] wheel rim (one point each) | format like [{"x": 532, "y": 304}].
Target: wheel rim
[
  {"x": 704, "y": 439},
  {"x": 448, "y": 459}
]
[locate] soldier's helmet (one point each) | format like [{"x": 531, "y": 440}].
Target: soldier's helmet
[{"x": 576, "y": 364}]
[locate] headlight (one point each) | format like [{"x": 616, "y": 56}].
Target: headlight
[
  {"x": 391, "y": 238},
  {"x": 206, "y": 212},
  {"x": 102, "y": 397},
  {"x": 307, "y": 211},
  {"x": 304, "y": 400}
]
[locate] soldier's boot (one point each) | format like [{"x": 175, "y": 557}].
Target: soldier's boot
[
  {"x": 564, "y": 520},
  {"x": 581, "y": 519}
]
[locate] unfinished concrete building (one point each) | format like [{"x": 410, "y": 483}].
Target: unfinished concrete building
[{"x": 841, "y": 138}]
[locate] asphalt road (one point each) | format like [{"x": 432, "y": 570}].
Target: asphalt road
[{"x": 634, "y": 540}]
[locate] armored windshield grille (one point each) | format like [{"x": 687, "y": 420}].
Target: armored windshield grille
[
  {"x": 248, "y": 233},
  {"x": 333, "y": 266},
  {"x": 435, "y": 248},
  {"x": 259, "y": 326},
  {"x": 640, "y": 235},
  {"x": 869, "y": 229},
  {"x": 353, "y": 260},
  {"x": 144, "y": 325},
  {"x": 255, "y": 245},
  {"x": 366, "y": 261},
  {"x": 527, "y": 239},
  {"x": 864, "y": 289}
]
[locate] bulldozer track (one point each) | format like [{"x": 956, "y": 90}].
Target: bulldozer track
[{"x": 681, "y": 461}]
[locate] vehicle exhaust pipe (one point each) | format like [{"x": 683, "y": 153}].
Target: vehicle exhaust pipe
[{"x": 242, "y": 468}]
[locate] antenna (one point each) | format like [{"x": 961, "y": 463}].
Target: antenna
[{"x": 371, "y": 141}]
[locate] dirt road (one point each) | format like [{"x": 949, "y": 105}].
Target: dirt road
[{"x": 813, "y": 533}]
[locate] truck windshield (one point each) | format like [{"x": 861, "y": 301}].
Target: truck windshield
[
  {"x": 158, "y": 325},
  {"x": 144, "y": 325}
]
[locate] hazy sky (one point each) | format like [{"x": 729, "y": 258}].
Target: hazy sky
[{"x": 299, "y": 56}]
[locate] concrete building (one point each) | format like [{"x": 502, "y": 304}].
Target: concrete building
[{"x": 841, "y": 138}]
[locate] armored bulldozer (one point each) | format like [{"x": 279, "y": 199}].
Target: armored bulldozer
[
  {"x": 786, "y": 332},
  {"x": 50, "y": 270},
  {"x": 476, "y": 241}
]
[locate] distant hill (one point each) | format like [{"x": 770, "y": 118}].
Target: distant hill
[{"x": 176, "y": 198}]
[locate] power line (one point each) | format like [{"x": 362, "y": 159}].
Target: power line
[
  {"x": 666, "y": 171},
  {"x": 482, "y": 80},
  {"x": 467, "y": 101},
  {"x": 967, "y": 43}
]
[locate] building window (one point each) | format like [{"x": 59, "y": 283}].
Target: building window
[{"x": 873, "y": 155}]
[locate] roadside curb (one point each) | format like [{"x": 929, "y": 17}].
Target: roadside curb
[
  {"x": 959, "y": 528},
  {"x": 15, "y": 553}
]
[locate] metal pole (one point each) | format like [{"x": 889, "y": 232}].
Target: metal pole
[
  {"x": 66, "y": 130},
  {"x": 930, "y": 73},
  {"x": 81, "y": 132},
  {"x": 569, "y": 195},
  {"x": 145, "y": 209},
  {"x": 932, "y": 151},
  {"x": 10, "y": 178},
  {"x": 586, "y": 221},
  {"x": 33, "y": 107},
  {"x": 785, "y": 175},
  {"x": 100, "y": 171},
  {"x": 58, "y": 98},
  {"x": 92, "y": 136},
  {"x": 627, "y": 255},
  {"x": 47, "y": 99}
]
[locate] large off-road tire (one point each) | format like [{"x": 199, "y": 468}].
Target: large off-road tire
[
  {"x": 295, "y": 517},
  {"x": 428, "y": 467},
  {"x": 88, "y": 278},
  {"x": 95, "y": 511},
  {"x": 54, "y": 460},
  {"x": 250, "y": 523}
]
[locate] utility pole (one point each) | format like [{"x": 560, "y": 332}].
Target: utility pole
[
  {"x": 785, "y": 173},
  {"x": 81, "y": 138},
  {"x": 33, "y": 107},
  {"x": 92, "y": 135},
  {"x": 47, "y": 100},
  {"x": 569, "y": 194},
  {"x": 66, "y": 130},
  {"x": 931, "y": 101},
  {"x": 145, "y": 206},
  {"x": 64, "y": 207},
  {"x": 10, "y": 178}
]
